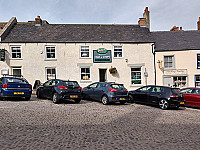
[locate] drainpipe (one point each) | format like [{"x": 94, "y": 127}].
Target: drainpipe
[{"x": 154, "y": 61}]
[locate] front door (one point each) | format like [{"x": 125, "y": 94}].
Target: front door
[{"x": 102, "y": 75}]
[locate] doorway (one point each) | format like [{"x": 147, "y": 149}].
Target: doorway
[{"x": 102, "y": 75}]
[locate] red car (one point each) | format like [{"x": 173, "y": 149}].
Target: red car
[{"x": 192, "y": 96}]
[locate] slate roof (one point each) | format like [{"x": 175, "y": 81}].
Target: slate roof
[
  {"x": 22, "y": 33},
  {"x": 177, "y": 40}
]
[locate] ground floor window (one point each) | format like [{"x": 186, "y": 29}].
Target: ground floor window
[
  {"x": 136, "y": 77},
  {"x": 50, "y": 73},
  {"x": 17, "y": 71},
  {"x": 85, "y": 73},
  {"x": 197, "y": 80},
  {"x": 179, "y": 81}
]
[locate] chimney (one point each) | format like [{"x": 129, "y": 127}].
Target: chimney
[
  {"x": 198, "y": 24},
  {"x": 146, "y": 16},
  {"x": 175, "y": 28},
  {"x": 145, "y": 22},
  {"x": 38, "y": 21}
]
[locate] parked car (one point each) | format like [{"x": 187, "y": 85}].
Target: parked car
[
  {"x": 106, "y": 92},
  {"x": 162, "y": 96},
  {"x": 12, "y": 86},
  {"x": 58, "y": 90},
  {"x": 192, "y": 96}
]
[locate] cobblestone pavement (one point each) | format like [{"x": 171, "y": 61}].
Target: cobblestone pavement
[{"x": 40, "y": 124}]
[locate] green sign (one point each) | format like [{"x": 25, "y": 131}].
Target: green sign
[
  {"x": 102, "y": 56},
  {"x": 102, "y": 50},
  {"x": 2, "y": 54}
]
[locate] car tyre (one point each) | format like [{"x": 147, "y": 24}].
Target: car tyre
[
  {"x": 56, "y": 98},
  {"x": 77, "y": 100},
  {"x": 163, "y": 104},
  {"x": 104, "y": 100},
  {"x": 130, "y": 98}
]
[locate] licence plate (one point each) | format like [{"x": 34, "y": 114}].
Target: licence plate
[
  {"x": 182, "y": 103},
  {"x": 18, "y": 93},
  {"x": 74, "y": 96},
  {"x": 122, "y": 99}
]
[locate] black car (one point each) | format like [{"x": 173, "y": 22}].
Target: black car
[
  {"x": 58, "y": 90},
  {"x": 14, "y": 86},
  {"x": 162, "y": 96},
  {"x": 106, "y": 92}
]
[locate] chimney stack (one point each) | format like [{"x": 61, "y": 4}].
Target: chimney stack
[
  {"x": 145, "y": 21},
  {"x": 38, "y": 21},
  {"x": 175, "y": 28},
  {"x": 198, "y": 24}
]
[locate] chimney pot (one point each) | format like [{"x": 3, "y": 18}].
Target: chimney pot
[
  {"x": 198, "y": 24},
  {"x": 38, "y": 21}
]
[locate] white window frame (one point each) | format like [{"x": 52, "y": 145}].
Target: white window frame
[
  {"x": 13, "y": 68},
  {"x": 11, "y": 51},
  {"x": 117, "y": 51},
  {"x": 46, "y": 52},
  {"x": 173, "y": 62},
  {"x": 85, "y": 74},
  {"x": 46, "y": 75},
  {"x": 88, "y": 51},
  {"x": 133, "y": 79}
]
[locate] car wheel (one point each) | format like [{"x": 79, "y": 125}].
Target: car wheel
[
  {"x": 130, "y": 98},
  {"x": 27, "y": 98},
  {"x": 163, "y": 104},
  {"x": 55, "y": 98},
  {"x": 77, "y": 100},
  {"x": 104, "y": 100}
]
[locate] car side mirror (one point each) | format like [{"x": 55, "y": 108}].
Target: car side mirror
[{"x": 137, "y": 90}]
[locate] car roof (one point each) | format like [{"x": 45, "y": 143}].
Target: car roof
[{"x": 190, "y": 88}]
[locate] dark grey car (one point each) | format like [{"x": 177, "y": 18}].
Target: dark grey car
[{"x": 106, "y": 92}]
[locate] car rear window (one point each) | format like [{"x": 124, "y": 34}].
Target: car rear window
[
  {"x": 117, "y": 86},
  {"x": 14, "y": 80},
  {"x": 176, "y": 91},
  {"x": 70, "y": 83}
]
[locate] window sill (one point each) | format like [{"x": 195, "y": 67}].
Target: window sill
[
  {"x": 50, "y": 59},
  {"x": 136, "y": 85},
  {"x": 16, "y": 59},
  {"x": 85, "y": 81},
  {"x": 85, "y": 58},
  {"x": 118, "y": 57}
]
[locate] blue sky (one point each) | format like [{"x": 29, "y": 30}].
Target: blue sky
[{"x": 164, "y": 14}]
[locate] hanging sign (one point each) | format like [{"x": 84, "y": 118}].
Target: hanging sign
[{"x": 102, "y": 55}]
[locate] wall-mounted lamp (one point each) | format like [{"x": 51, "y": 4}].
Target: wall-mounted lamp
[
  {"x": 126, "y": 60},
  {"x": 41, "y": 51}
]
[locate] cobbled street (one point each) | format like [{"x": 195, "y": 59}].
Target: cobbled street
[{"x": 41, "y": 125}]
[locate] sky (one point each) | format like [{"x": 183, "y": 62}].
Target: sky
[{"x": 164, "y": 14}]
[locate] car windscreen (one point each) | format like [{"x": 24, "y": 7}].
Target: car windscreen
[
  {"x": 117, "y": 86},
  {"x": 70, "y": 84},
  {"x": 15, "y": 80}
]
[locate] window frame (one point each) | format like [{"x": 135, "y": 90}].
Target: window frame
[
  {"x": 85, "y": 74},
  {"x": 13, "y": 68},
  {"x": 46, "y": 75},
  {"x": 89, "y": 56},
  {"x": 117, "y": 51},
  {"x": 173, "y": 62},
  {"x": 133, "y": 79},
  {"x": 46, "y": 52},
  {"x": 198, "y": 61},
  {"x": 11, "y": 51}
]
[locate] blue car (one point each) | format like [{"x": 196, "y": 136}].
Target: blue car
[
  {"x": 106, "y": 92},
  {"x": 11, "y": 86}
]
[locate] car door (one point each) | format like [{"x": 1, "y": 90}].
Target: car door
[
  {"x": 44, "y": 89},
  {"x": 154, "y": 94},
  {"x": 141, "y": 95},
  {"x": 188, "y": 96},
  {"x": 99, "y": 91},
  {"x": 89, "y": 91},
  {"x": 195, "y": 98}
]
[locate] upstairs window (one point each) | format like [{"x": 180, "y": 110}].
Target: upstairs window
[
  {"x": 50, "y": 52},
  {"x": 84, "y": 52},
  {"x": 169, "y": 62},
  {"x": 117, "y": 51},
  {"x": 16, "y": 52}
]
